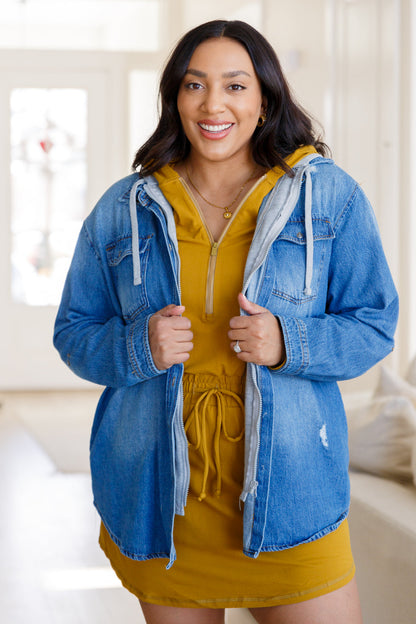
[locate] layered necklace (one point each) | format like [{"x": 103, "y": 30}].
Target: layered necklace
[{"x": 227, "y": 210}]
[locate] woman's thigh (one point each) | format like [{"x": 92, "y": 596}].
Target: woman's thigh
[
  {"x": 157, "y": 614},
  {"x": 341, "y": 606}
]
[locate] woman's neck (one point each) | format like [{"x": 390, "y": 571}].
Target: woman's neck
[{"x": 219, "y": 179}]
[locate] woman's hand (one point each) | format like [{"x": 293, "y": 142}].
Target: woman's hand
[
  {"x": 170, "y": 336},
  {"x": 259, "y": 335}
]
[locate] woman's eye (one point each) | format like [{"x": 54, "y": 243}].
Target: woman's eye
[
  {"x": 236, "y": 87},
  {"x": 193, "y": 86}
]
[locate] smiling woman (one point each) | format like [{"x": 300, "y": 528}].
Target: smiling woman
[
  {"x": 220, "y": 293},
  {"x": 224, "y": 103}
]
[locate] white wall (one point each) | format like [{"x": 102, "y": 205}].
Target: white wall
[{"x": 298, "y": 31}]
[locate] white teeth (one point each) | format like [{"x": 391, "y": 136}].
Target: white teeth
[{"x": 218, "y": 128}]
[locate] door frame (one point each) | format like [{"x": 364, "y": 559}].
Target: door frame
[{"x": 27, "y": 357}]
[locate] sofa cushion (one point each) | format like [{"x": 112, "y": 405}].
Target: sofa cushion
[
  {"x": 382, "y": 436},
  {"x": 391, "y": 384},
  {"x": 411, "y": 373},
  {"x": 414, "y": 460}
]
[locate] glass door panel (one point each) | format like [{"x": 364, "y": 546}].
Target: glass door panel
[{"x": 48, "y": 188}]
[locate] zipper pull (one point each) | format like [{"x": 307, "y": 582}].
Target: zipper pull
[{"x": 214, "y": 249}]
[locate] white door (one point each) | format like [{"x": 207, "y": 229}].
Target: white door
[{"x": 55, "y": 161}]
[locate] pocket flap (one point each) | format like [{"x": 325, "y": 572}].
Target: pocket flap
[
  {"x": 295, "y": 232},
  {"x": 122, "y": 247}
]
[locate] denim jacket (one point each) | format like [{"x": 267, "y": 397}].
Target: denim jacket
[{"x": 316, "y": 262}]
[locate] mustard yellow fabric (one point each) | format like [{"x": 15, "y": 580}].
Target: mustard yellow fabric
[{"x": 211, "y": 570}]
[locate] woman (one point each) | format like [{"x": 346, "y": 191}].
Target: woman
[{"x": 220, "y": 294}]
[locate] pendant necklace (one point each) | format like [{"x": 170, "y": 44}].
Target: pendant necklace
[{"x": 227, "y": 212}]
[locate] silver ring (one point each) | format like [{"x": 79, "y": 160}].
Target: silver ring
[{"x": 237, "y": 347}]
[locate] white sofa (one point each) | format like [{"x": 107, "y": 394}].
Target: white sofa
[
  {"x": 383, "y": 536},
  {"x": 382, "y": 520}
]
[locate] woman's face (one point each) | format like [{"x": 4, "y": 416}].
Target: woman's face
[{"x": 220, "y": 101}]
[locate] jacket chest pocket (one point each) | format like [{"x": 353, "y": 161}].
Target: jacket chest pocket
[
  {"x": 288, "y": 258},
  {"x": 133, "y": 299}
]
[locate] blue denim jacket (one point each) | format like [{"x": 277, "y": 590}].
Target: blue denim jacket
[{"x": 316, "y": 262}]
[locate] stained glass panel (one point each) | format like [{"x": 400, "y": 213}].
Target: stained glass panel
[{"x": 48, "y": 183}]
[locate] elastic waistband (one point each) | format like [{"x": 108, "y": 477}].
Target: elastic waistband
[{"x": 202, "y": 382}]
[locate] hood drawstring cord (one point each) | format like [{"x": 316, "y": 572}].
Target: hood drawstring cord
[
  {"x": 309, "y": 233},
  {"x": 137, "y": 280}
]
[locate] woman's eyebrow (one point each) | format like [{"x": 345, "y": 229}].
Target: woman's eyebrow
[
  {"x": 236, "y": 72},
  {"x": 230, "y": 74}
]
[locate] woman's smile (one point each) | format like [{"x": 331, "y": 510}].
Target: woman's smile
[{"x": 214, "y": 130}]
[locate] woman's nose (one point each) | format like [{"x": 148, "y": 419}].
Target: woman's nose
[{"x": 213, "y": 101}]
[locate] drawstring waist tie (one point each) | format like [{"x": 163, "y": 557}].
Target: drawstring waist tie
[{"x": 208, "y": 421}]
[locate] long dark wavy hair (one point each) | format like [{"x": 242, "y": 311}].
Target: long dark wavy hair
[{"x": 287, "y": 127}]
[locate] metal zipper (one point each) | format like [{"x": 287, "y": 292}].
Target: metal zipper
[
  {"x": 253, "y": 453},
  {"x": 209, "y": 297}
]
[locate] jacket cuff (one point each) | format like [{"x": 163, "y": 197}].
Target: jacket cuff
[
  {"x": 296, "y": 344},
  {"x": 278, "y": 366},
  {"x": 140, "y": 355},
  {"x": 282, "y": 362}
]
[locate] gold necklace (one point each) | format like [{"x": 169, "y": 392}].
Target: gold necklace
[{"x": 227, "y": 214}]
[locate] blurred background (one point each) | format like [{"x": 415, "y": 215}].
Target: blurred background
[{"x": 78, "y": 81}]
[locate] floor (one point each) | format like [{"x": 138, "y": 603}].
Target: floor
[{"x": 51, "y": 569}]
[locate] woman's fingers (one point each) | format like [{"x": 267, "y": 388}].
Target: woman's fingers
[
  {"x": 257, "y": 334},
  {"x": 170, "y": 337}
]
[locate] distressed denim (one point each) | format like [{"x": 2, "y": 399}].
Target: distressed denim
[{"x": 322, "y": 273}]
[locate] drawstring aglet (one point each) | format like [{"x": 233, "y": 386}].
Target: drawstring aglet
[{"x": 202, "y": 497}]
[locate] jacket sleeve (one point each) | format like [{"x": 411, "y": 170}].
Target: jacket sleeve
[
  {"x": 357, "y": 328},
  {"x": 91, "y": 335}
]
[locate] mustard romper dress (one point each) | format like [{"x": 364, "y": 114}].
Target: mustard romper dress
[{"x": 211, "y": 569}]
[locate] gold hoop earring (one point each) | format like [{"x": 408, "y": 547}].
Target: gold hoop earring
[{"x": 261, "y": 121}]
